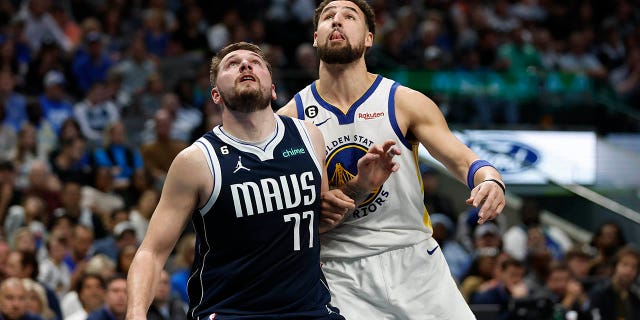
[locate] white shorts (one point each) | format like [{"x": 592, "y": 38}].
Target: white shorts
[{"x": 408, "y": 283}]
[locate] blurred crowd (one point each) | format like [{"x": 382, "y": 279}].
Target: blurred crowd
[
  {"x": 533, "y": 270},
  {"x": 98, "y": 96}
]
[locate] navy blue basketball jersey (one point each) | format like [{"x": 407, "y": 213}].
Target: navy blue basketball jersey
[{"x": 257, "y": 247}]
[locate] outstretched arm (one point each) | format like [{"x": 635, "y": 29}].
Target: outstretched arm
[
  {"x": 178, "y": 200},
  {"x": 420, "y": 117}
]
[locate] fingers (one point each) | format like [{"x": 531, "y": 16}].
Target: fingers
[
  {"x": 489, "y": 198},
  {"x": 335, "y": 204}
]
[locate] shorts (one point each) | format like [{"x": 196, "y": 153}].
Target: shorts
[{"x": 407, "y": 283}]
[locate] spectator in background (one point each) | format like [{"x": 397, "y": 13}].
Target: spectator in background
[
  {"x": 42, "y": 183},
  {"x": 15, "y": 103},
  {"x": 39, "y": 24},
  {"x": 7, "y": 135},
  {"x": 183, "y": 118},
  {"x": 516, "y": 239},
  {"x": 578, "y": 260},
  {"x": 54, "y": 100},
  {"x": 67, "y": 24},
  {"x": 164, "y": 305},
  {"x": 159, "y": 154},
  {"x": 9, "y": 195},
  {"x": 578, "y": 59},
  {"x": 480, "y": 272},
  {"x": 71, "y": 207},
  {"x": 91, "y": 64},
  {"x": 115, "y": 300},
  {"x": 625, "y": 79},
  {"x": 150, "y": 99},
  {"x": 25, "y": 153},
  {"x": 79, "y": 252},
  {"x": 36, "y": 300},
  {"x": 52, "y": 271},
  {"x": 23, "y": 265},
  {"x": 102, "y": 266},
  {"x": 95, "y": 113},
  {"x": 30, "y": 214},
  {"x": 565, "y": 292},
  {"x": 87, "y": 296},
  {"x": 135, "y": 70},
  {"x": 125, "y": 257},
  {"x": 510, "y": 286},
  {"x": 100, "y": 196},
  {"x": 49, "y": 58},
  {"x": 124, "y": 234},
  {"x": 616, "y": 298},
  {"x": 13, "y": 304},
  {"x": 8, "y": 57},
  {"x": 23, "y": 240},
  {"x": 45, "y": 135},
  {"x": 5, "y": 249},
  {"x": 606, "y": 241},
  {"x": 155, "y": 32},
  {"x": 71, "y": 163},
  {"x": 121, "y": 159}
]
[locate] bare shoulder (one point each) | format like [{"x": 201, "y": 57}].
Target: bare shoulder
[
  {"x": 289, "y": 109},
  {"x": 190, "y": 159},
  {"x": 314, "y": 132},
  {"x": 413, "y": 102}
]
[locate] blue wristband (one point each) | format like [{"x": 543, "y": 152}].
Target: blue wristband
[{"x": 473, "y": 168}]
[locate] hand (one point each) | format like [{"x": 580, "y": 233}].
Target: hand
[
  {"x": 518, "y": 290},
  {"x": 490, "y": 198},
  {"x": 375, "y": 167},
  {"x": 335, "y": 204}
]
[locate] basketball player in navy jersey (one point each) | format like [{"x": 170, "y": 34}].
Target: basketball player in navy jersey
[
  {"x": 381, "y": 261},
  {"x": 252, "y": 189}
]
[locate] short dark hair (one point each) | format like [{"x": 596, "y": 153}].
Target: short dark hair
[
  {"x": 215, "y": 61},
  {"x": 628, "y": 251},
  {"x": 369, "y": 15},
  {"x": 87, "y": 276}
]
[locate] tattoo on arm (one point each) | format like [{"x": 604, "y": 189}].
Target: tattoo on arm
[{"x": 355, "y": 192}]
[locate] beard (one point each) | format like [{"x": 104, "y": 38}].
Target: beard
[
  {"x": 343, "y": 55},
  {"x": 246, "y": 100}
]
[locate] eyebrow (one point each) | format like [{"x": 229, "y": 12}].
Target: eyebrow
[
  {"x": 234, "y": 54},
  {"x": 333, "y": 7}
]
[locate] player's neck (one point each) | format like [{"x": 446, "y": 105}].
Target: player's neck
[
  {"x": 343, "y": 84},
  {"x": 249, "y": 127}
]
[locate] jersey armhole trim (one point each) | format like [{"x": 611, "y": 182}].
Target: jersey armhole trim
[
  {"x": 392, "y": 116},
  {"x": 214, "y": 166}
]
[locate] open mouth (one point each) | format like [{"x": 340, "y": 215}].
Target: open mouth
[
  {"x": 336, "y": 35},
  {"x": 247, "y": 78}
]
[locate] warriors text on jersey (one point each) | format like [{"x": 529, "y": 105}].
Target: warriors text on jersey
[
  {"x": 392, "y": 216},
  {"x": 257, "y": 248}
]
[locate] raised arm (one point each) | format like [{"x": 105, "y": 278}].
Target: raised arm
[
  {"x": 179, "y": 198},
  {"x": 421, "y": 118}
]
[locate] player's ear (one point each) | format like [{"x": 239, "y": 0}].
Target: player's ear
[
  {"x": 274, "y": 96},
  {"x": 315, "y": 39},
  {"x": 368, "y": 41},
  {"x": 215, "y": 95}
]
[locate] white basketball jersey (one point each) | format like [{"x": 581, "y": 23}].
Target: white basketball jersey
[{"x": 392, "y": 216}]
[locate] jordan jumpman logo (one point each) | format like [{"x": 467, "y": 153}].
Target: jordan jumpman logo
[{"x": 240, "y": 166}]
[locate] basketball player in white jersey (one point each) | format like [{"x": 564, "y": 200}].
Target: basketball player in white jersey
[
  {"x": 252, "y": 188},
  {"x": 380, "y": 260}
]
